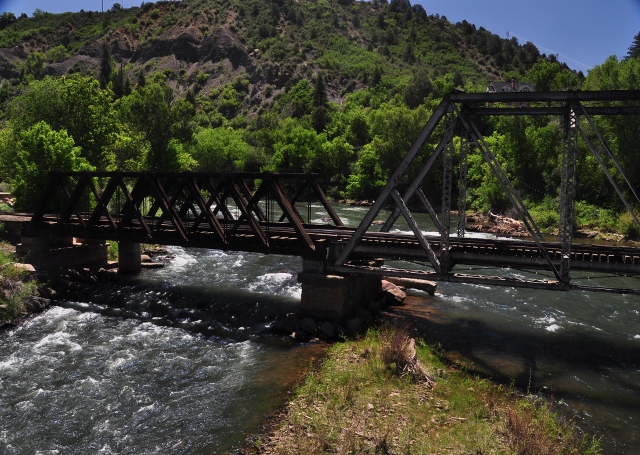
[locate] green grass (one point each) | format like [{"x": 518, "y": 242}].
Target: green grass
[
  {"x": 355, "y": 402},
  {"x": 15, "y": 287}
]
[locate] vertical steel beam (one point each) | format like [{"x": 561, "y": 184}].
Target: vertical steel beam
[
  {"x": 568, "y": 192},
  {"x": 462, "y": 184},
  {"x": 447, "y": 180}
]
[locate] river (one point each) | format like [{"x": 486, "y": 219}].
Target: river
[{"x": 82, "y": 379}]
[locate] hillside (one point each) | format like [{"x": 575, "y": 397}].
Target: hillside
[
  {"x": 340, "y": 88},
  {"x": 201, "y": 45}
]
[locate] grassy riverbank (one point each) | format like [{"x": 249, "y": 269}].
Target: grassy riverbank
[
  {"x": 16, "y": 286},
  {"x": 368, "y": 396}
]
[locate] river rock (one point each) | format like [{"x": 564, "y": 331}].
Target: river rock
[
  {"x": 292, "y": 324},
  {"x": 374, "y": 308},
  {"x": 422, "y": 285},
  {"x": 393, "y": 293},
  {"x": 365, "y": 315},
  {"x": 299, "y": 335},
  {"x": 355, "y": 326},
  {"x": 74, "y": 275},
  {"x": 327, "y": 330},
  {"x": 145, "y": 258},
  {"x": 308, "y": 325},
  {"x": 26, "y": 267}
]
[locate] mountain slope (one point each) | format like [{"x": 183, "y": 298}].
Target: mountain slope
[{"x": 202, "y": 45}]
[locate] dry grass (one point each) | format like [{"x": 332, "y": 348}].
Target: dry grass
[
  {"x": 356, "y": 404},
  {"x": 399, "y": 353}
]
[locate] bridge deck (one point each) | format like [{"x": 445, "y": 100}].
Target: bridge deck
[{"x": 282, "y": 239}]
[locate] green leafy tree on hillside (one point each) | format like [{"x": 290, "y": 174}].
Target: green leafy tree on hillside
[
  {"x": 75, "y": 104},
  {"x": 36, "y": 62},
  {"x": 220, "y": 149},
  {"x": 40, "y": 150},
  {"x": 148, "y": 110},
  {"x": 58, "y": 54}
]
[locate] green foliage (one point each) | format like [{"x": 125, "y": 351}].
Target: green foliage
[
  {"x": 296, "y": 148},
  {"x": 588, "y": 216},
  {"x": 419, "y": 87},
  {"x": 545, "y": 214},
  {"x": 487, "y": 193},
  {"x": 75, "y": 104},
  {"x": 368, "y": 179},
  {"x": 58, "y": 54},
  {"x": 40, "y": 150},
  {"x": 627, "y": 226},
  {"x": 167, "y": 128},
  {"x": 35, "y": 64},
  {"x": 220, "y": 149}
]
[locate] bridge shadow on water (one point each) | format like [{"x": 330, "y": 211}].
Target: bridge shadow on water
[
  {"x": 590, "y": 379},
  {"x": 227, "y": 313}
]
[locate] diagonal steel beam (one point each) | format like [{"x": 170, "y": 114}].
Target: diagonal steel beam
[
  {"x": 324, "y": 201},
  {"x": 74, "y": 199},
  {"x": 415, "y": 188},
  {"x": 292, "y": 214},
  {"x": 616, "y": 162},
  {"x": 416, "y": 231},
  {"x": 167, "y": 211},
  {"x": 609, "y": 176},
  {"x": 508, "y": 188},
  {"x": 102, "y": 202},
  {"x": 245, "y": 213},
  {"x": 205, "y": 210},
  {"x": 393, "y": 181},
  {"x": 132, "y": 205}
]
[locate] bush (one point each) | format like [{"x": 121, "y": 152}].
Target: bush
[
  {"x": 15, "y": 287},
  {"x": 628, "y": 226}
]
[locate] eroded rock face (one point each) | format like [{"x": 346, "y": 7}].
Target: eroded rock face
[
  {"x": 191, "y": 46},
  {"x": 11, "y": 61},
  {"x": 224, "y": 44}
]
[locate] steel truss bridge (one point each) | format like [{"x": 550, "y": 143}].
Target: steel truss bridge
[{"x": 264, "y": 212}]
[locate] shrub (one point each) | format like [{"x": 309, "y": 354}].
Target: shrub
[{"x": 628, "y": 226}]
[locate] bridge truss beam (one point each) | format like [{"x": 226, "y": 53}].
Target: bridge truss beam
[
  {"x": 457, "y": 111},
  {"x": 216, "y": 210}
]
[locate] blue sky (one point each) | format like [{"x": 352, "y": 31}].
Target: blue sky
[{"x": 582, "y": 33}]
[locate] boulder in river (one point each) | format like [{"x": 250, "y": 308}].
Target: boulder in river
[{"x": 392, "y": 293}]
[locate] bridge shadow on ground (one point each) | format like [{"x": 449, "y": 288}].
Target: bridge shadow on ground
[{"x": 588, "y": 371}]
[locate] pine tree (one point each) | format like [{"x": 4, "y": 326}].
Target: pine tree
[
  {"x": 319, "y": 92},
  {"x": 106, "y": 65},
  {"x": 634, "y": 50}
]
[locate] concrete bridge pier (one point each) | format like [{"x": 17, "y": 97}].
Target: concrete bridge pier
[
  {"x": 129, "y": 261},
  {"x": 334, "y": 297}
]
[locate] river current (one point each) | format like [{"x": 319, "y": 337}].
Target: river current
[{"x": 73, "y": 380}]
